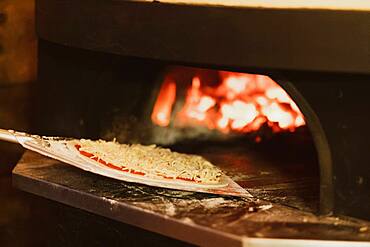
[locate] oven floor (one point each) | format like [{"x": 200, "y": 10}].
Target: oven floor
[
  {"x": 192, "y": 217},
  {"x": 283, "y": 170}
]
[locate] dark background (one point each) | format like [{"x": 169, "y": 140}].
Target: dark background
[{"x": 17, "y": 74}]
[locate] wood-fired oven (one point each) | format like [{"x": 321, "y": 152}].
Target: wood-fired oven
[{"x": 129, "y": 69}]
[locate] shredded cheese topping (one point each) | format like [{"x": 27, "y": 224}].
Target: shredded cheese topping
[{"x": 152, "y": 161}]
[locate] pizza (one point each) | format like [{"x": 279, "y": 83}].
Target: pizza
[{"x": 149, "y": 161}]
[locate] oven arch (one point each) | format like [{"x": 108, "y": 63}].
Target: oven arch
[{"x": 321, "y": 144}]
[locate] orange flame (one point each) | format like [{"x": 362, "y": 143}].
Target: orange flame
[
  {"x": 240, "y": 103},
  {"x": 161, "y": 114}
]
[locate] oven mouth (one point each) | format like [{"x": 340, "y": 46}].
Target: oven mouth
[
  {"x": 264, "y": 143},
  {"x": 115, "y": 99}
]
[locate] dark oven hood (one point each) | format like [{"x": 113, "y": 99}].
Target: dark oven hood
[{"x": 296, "y": 39}]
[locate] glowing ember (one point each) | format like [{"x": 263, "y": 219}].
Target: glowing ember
[{"x": 239, "y": 103}]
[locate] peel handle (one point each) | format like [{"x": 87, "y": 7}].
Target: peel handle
[{"x": 7, "y": 135}]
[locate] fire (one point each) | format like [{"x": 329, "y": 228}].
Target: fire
[
  {"x": 163, "y": 106},
  {"x": 239, "y": 102}
]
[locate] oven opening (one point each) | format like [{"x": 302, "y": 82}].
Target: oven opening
[{"x": 244, "y": 123}]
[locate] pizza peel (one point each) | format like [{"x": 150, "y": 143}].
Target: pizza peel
[{"x": 59, "y": 148}]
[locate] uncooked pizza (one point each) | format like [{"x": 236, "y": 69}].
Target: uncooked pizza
[{"x": 149, "y": 161}]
